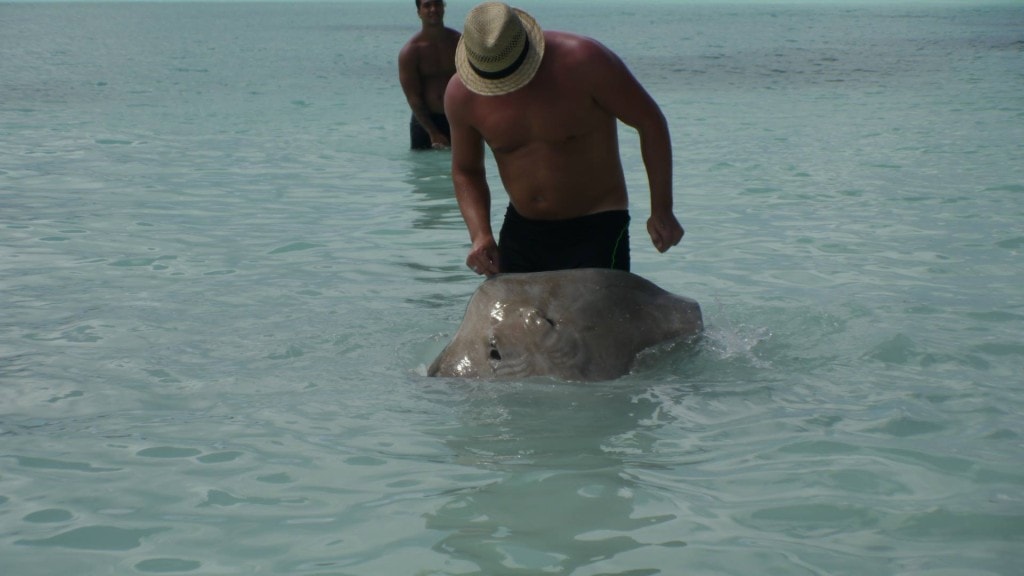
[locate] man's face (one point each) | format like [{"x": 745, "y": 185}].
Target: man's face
[{"x": 432, "y": 10}]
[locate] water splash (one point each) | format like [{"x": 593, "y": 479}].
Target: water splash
[{"x": 729, "y": 341}]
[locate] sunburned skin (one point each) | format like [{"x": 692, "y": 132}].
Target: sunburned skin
[{"x": 556, "y": 145}]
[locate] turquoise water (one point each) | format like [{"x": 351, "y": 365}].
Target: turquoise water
[{"x": 223, "y": 275}]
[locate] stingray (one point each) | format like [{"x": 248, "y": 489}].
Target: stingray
[{"x": 582, "y": 325}]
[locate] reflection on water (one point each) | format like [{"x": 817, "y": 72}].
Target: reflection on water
[
  {"x": 435, "y": 255},
  {"x": 429, "y": 178},
  {"x": 562, "y": 498}
]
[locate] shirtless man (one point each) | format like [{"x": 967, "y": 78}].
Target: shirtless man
[
  {"x": 547, "y": 105},
  {"x": 425, "y": 64}
]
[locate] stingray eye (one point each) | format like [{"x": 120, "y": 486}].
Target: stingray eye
[
  {"x": 550, "y": 322},
  {"x": 495, "y": 355}
]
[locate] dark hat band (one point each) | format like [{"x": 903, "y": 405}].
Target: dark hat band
[{"x": 508, "y": 70}]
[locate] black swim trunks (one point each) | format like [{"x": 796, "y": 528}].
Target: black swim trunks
[
  {"x": 418, "y": 135},
  {"x": 598, "y": 240}
]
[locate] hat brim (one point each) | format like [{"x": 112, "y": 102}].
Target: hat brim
[{"x": 514, "y": 81}]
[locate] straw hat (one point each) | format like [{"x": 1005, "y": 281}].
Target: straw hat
[{"x": 500, "y": 49}]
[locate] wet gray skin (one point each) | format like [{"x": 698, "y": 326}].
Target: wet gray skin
[{"x": 583, "y": 325}]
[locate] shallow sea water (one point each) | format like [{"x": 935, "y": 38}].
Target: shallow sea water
[{"x": 223, "y": 275}]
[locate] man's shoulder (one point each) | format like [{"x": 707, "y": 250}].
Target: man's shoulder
[
  {"x": 411, "y": 46},
  {"x": 569, "y": 46},
  {"x": 563, "y": 37},
  {"x": 420, "y": 42},
  {"x": 457, "y": 90}
]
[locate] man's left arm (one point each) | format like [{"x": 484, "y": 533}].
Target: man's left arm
[{"x": 619, "y": 92}]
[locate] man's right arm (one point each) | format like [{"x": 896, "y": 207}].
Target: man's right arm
[
  {"x": 469, "y": 178},
  {"x": 412, "y": 86}
]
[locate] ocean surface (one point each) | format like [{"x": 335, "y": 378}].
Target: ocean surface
[{"x": 223, "y": 274}]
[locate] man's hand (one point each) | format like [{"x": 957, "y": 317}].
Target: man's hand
[
  {"x": 665, "y": 231},
  {"x": 440, "y": 142},
  {"x": 483, "y": 258}
]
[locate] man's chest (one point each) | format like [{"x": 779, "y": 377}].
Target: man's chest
[{"x": 512, "y": 125}]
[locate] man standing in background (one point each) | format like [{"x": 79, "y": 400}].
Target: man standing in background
[{"x": 425, "y": 64}]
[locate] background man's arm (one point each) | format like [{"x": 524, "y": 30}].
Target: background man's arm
[{"x": 412, "y": 86}]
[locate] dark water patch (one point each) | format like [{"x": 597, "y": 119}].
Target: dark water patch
[
  {"x": 897, "y": 350},
  {"x": 163, "y": 376},
  {"x": 168, "y": 452},
  {"x": 904, "y": 427},
  {"x": 812, "y": 519},
  {"x": 866, "y": 482},
  {"x": 947, "y": 465},
  {"x": 53, "y": 464},
  {"x": 1003, "y": 434},
  {"x": 295, "y": 247},
  {"x": 278, "y": 478},
  {"x": 1015, "y": 188},
  {"x": 1011, "y": 243},
  {"x": 820, "y": 447},
  {"x": 16, "y": 365},
  {"x": 1001, "y": 348},
  {"x": 79, "y": 334},
  {"x": 72, "y": 394},
  {"x": 943, "y": 524},
  {"x": 224, "y": 499},
  {"x": 110, "y": 538},
  {"x": 141, "y": 261},
  {"x": 219, "y": 457},
  {"x": 761, "y": 190},
  {"x": 365, "y": 461},
  {"x": 50, "y": 515},
  {"x": 290, "y": 352},
  {"x": 167, "y": 565},
  {"x": 903, "y": 350}
]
